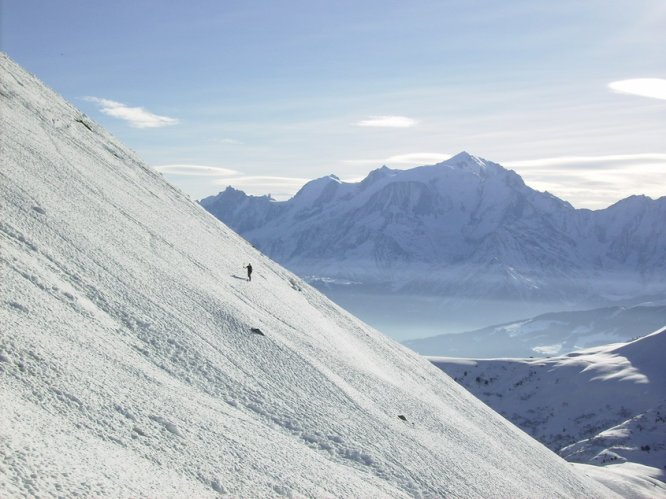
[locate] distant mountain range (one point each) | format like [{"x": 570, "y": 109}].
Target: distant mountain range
[
  {"x": 597, "y": 406},
  {"x": 464, "y": 228},
  {"x": 548, "y": 334}
]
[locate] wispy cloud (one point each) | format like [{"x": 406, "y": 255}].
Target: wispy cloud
[
  {"x": 388, "y": 122},
  {"x": 595, "y": 181},
  {"x": 137, "y": 117},
  {"x": 195, "y": 170},
  {"x": 408, "y": 159},
  {"x": 604, "y": 160},
  {"x": 654, "y": 88},
  {"x": 418, "y": 158}
]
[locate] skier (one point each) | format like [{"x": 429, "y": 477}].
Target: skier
[{"x": 249, "y": 271}]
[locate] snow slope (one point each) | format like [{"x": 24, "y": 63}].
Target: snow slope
[
  {"x": 548, "y": 334},
  {"x": 598, "y": 406},
  {"x": 129, "y": 365}
]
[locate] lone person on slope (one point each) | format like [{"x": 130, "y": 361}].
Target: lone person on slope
[{"x": 249, "y": 271}]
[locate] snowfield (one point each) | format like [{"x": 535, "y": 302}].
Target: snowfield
[{"x": 129, "y": 365}]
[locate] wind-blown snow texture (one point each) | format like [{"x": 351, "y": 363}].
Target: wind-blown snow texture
[
  {"x": 548, "y": 334},
  {"x": 128, "y": 366},
  {"x": 465, "y": 228},
  {"x": 598, "y": 406}
]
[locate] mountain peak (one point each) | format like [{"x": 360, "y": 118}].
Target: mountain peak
[
  {"x": 466, "y": 160},
  {"x": 463, "y": 155},
  {"x": 377, "y": 174},
  {"x": 314, "y": 189},
  {"x": 633, "y": 203}
]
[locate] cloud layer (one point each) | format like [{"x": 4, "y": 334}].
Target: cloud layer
[
  {"x": 137, "y": 117},
  {"x": 195, "y": 170},
  {"x": 408, "y": 159},
  {"x": 654, "y": 88},
  {"x": 388, "y": 122},
  {"x": 595, "y": 181},
  {"x": 604, "y": 161}
]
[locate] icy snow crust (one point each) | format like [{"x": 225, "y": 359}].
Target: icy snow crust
[{"x": 128, "y": 366}]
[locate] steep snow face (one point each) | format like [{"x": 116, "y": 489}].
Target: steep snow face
[
  {"x": 465, "y": 228},
  {"x": 599, "y": 396},
  {"x": 548, "y": 334},
  {"x": 137, "y": 360}
]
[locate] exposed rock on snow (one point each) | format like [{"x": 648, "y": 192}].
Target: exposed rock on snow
[{"x": 128, "y": 368}]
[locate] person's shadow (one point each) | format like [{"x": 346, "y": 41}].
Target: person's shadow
[{"x": 239, "y": 277}]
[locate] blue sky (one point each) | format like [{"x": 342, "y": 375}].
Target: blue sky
[{"x": 265, "y": 95}]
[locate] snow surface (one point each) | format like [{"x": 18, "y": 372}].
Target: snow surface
[
  {"x": 630, "y": 480},
  {"x": 129, "y": 367}
]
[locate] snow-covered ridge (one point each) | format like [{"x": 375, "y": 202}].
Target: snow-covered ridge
[
  {"x": 640, "y": 439},
  {"x": 466, "y": 228},
  {"x": 548, "y": 334},
  {"x": 600, "y": 406},
  {"x": 136, "y": 360}
]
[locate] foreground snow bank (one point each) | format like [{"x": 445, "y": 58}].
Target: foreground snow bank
[{"x": 129, "y": 365}]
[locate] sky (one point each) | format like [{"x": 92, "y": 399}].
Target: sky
[{"x": 265, "y": 95}]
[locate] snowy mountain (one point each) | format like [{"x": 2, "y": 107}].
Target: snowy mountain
[
  {"x": 548, "y": 334},
  {"x": 465, "y": 228},
  {"x": 598, "y": 406},
  {"x": 641, "y": 439},
  {"x": 136, "y": 360}
]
